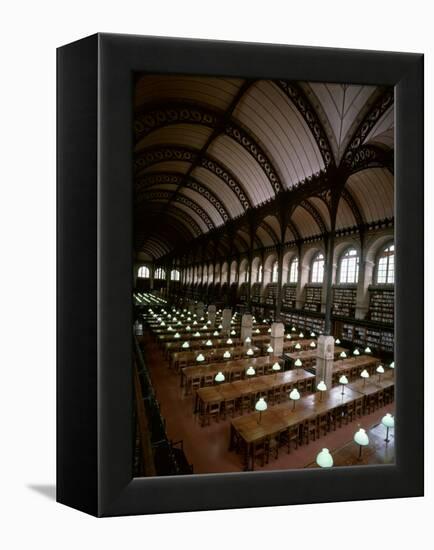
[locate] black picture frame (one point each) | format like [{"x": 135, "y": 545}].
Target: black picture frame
[{"x": 94, "y": 275}]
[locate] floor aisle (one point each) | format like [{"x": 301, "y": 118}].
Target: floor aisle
[{"x": 207, "y": 448}]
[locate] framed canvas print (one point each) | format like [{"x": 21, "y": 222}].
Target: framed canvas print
[{"x": 240, "y": 275}]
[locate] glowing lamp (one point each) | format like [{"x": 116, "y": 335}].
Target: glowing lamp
[
  {"x": 200, "y": 358},
  {"x": 324, "y": 459},
  {"x": 219, "y": 377}
]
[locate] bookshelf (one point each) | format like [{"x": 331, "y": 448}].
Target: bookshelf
[
  {"x": 256, "y": 293},
  {"x": 271, "y": 294},
  {"x": 289, "y": 295},
  {"x": 364, "y": 333},
  {"x": 381, "y": 304},
  {"x": 313, "y": 298},
  {"x": 344, "y": 301}
]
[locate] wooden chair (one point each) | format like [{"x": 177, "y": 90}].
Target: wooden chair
[
  {"x": 213, "y": 411},
  {"x": 259, "y": 451},
  {"x": 196, "y": 382},
  {"x": 323, "y": 424},
  {"x": 259, "y": 370},
  {"x": 289, "y": 436},
  {"x": 235, "y": 375},
  {"x": 208, "y": 380},
  {"x": 358, "y": 407},
  {"x": 273, "y": 447},
  {"x": 229, "y": 408},
  {"x": 349, "y": 412},
  {"x": 245, "y": 403},
  {"x": 309, "y": 430}
]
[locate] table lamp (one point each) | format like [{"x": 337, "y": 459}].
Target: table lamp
[
  {"x": 294, "y": 396},
  {"x": 257, "y": 331},
  {"x": 365, "y": 375},
  {"x": 196, "y": 334},
  {"x": 270, "y": 349},
  {"x": 312, "y": 345},
  {"x": 301, "y": 335},
  {"x": 229, "y": 341},
  {"x": 343, "y": 355},
  {"x": 312, "y": 334},
  {"x": 250, "y": 352},
  {"x": 276, "y": 368},
  {"x": 298, "y": 363},
  {"x": 208, "y": 343},
  {"x": 392, "y": 365},
  {"x": 169, "y": 328},
  {"x": 195, "y": 322},
  {"x": 297, "y": 346},
  {"x": 324, "y": 459},
  {"x": 389, "y": 422},
  {"x": 220, "y": 326},
  {"x": 204, "y": 327},
  {"x": 260, "y": 406},
  {"x": 337, "y": 341},
  {"x": 200, "y": 358},
  {"x": 361, "y": 438},
  {"x": 321, "y": 388},
  {"x": 248, "y": 340},
  {"x": 269, "y": 331},
  {"x": 215, "y": 333},
  {"x": 188, "y": 327},
  {"x": 380, "y": 370},
  {"x": 185, "y": 345},
  {"x": 250, "y": 372},
  {"x": 368, "y": 350},
  {"x": 162, "y": 324},
  {"x": 293, "y": 329},
  {"x": 288, "y": 336},
  {"x": 356, "y": 352},
  {"x": 233, "y": 332},
  {"x": 226, "y": 355},
  {"x": 343, "y": 380},
  {"x": 219, "y": 377}
]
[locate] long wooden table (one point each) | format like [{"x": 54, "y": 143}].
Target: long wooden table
[
  {"x": 211, "y": 355},
  {"x": 217, "y": 342},
  {"x": 378, "y": 451},
  {"x": 260, "y": 386},
  {"x": 278, "y": 419},
  {"x": 230, "y": 369},
  {"x": 309, "y": 356}
]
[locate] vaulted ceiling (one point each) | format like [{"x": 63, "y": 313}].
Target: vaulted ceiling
[{"x": 209, "y": 150}]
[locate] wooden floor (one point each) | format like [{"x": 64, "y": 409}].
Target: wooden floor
[{"x": 207, "y": 448}]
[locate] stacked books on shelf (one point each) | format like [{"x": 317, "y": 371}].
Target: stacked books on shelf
[
  {"x": 344, "y": 301},
  {"x": 313, "y": 298}
]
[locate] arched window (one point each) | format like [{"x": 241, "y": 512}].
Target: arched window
[
  {"x": 317, "y": 269},
  {"x": 144, "y": 272},
  {"x": 259, "y": 274},
  {"x": 275, "y": 273},
  {"x": 293, "y": 271},
  {"x": 386, "y": 266},
  {"x": 160, "y": 273},
  {"x": 175, "y": 275},
  {"x": 349, "y": 266}
]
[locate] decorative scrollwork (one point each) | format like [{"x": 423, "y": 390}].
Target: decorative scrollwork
[
  {"x": 148, "y": 121},
  {"x": 151, "y": 180},
  {"x": 379, "y": 108},
  {"x": 369, "y": 156},
  {"x": 241, "y": 137},
  {"x": 152, "y": 156},
  {"x": 349, "y": 199},
  {"x": 168, "y": 195},
  {"x": 302, "y": 103},
  {"x": 315, "y": 214},
  {"x": 218, "y": 170}
]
